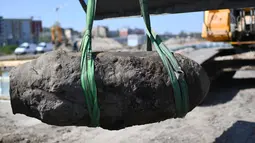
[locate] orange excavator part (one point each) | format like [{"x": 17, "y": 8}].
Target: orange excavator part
[
  {"x": 216, "y": 26},
  {"x": 57, "y": 29},
  {"x": 53, "y": 34}
]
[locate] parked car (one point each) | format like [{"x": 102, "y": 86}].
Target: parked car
[
  {"x": 25, "y": 48},
  {"x": 44, "y": 47}
]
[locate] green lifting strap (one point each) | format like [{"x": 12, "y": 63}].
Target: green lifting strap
[
  {"x": 175, "y": 73},
  {"x": 87, "y": 67}
]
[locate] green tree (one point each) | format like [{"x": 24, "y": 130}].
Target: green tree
[
  {"x": 7, "y": 50},
  {"x": 44, "y": 39}
]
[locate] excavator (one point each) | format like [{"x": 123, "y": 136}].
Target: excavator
[
  {"x": 59, "y": 37},
  {"x": 230, "y": 21},
  {"x": 234, "y": 26},
  {"x": 56, "y": 34}
]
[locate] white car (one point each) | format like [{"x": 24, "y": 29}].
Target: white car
[
  {"x": 25, "y": 48},
  {"x": 44, "y": 47}
]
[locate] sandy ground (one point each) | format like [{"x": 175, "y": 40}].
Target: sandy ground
[{"x": 226, "y": 115}]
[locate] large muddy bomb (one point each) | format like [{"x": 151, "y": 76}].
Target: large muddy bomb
[{"x": 133, "y": 88}]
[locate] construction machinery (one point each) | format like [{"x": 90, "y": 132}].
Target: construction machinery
[
  {"x": 56, "y": 34},
  {"x": 60, "y": 35},
  {"x": 236, "y": 27},
  {"x": 230, "y": 21},
  {"x": 56, "y": 31}
]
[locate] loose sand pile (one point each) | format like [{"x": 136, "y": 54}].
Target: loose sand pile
[{"x": 104, "y": 44}]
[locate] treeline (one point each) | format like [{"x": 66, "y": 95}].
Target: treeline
[
  {"x": 8, "y": 49},
  {"x": 181, "y": 34}
]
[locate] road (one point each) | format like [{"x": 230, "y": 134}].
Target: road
[
  {"x": 28, "y": 56},
  {"x": 19, "y": 57}
]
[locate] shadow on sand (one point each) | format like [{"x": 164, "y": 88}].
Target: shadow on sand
[
  {"x": 239, "y": 132},
  {"x": 224, "y": 91}
]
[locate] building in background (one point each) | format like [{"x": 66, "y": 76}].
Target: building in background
[
  {"x": 121, "y": 40},
  {"x": 69, "y": 33},
  {"x": 45, "y": 35},
  {"x": 100, "y": 31},
  {"x": 135, "y": 40},
  {"x": 36, "y": 30},
  {"x": 113, "y": 33},
  {"x": 1, "y": 31},
  {"x": 17, "y": 31},
  {"x": 103, "y": 31},
  {"x": 124, "y": 32},
  {"x": 137, "y": 31}
]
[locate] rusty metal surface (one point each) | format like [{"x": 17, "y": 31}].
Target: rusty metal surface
[{"x": 124, "y": 8}]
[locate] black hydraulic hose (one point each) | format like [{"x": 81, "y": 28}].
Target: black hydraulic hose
[{"x": 83, "y": 4}]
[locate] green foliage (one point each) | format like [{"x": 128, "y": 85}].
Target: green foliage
[
  {"x": 6, "y": 50},
  {"x": 44, "y": 39}
]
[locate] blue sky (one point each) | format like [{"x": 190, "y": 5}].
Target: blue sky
[{"x": 72, "y": 15}]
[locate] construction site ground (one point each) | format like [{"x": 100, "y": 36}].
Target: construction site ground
[{"x": 227, "y": 115}]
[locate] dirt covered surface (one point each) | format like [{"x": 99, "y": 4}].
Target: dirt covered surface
[
  {"x": 133, "y": 89},
  {"x": 226, "y": 116}
]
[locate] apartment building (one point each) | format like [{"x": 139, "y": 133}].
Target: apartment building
[{"x": 17, "y": 31}]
